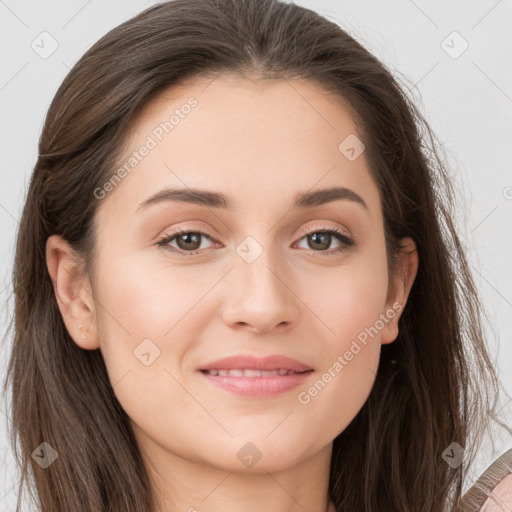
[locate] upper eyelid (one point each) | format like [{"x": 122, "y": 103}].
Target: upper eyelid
[
  {"x": 320, "y": 226},
  {"x": 303, "y": 232}
]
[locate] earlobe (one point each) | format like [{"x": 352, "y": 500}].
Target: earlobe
[
  {"x": 72, "y": 292},
  {"x": 400, "y": 289}
]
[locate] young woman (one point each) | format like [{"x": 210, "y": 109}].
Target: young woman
[{"x": 238, "y": 282}]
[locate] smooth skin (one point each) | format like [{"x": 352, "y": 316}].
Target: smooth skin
[{"x": 259, "y": 142}]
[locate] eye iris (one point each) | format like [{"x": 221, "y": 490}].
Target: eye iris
[
  {"x": 320, "y": 239},
  {"x": 188, "y": 236},
  {"x": 323, "y": 238}
]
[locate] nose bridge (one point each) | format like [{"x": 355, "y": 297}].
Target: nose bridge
[
  {"x": 258, "y": 265},
  {"x": 259, "y": 293}
]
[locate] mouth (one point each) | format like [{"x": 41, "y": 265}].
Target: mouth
[
  {"x": 252, "y": 373},
  {"x": 250, "y": 382}
]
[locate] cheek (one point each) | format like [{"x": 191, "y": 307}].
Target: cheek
[
  {"x": 348, "y": 303},
  {"x": 347, "y": 300},
  {"x": 146, "y": 308},
  {"x": 151, "y": 316},
  {"x": 147, "y": 299}
]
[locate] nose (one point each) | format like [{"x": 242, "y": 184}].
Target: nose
[{"x": 260, "y": 297}]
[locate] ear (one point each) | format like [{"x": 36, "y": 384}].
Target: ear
[
  {"x": 399, "y": 289},
  {"x": 73, "y": 292}
]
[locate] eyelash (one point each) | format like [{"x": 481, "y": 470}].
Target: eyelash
[{"x": 348, "y": 242}]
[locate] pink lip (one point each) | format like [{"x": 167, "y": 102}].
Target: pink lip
[
  {"x": 257, "y": 386},
  {"x": 242, "y": 362}
]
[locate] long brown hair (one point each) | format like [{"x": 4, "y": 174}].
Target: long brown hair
[{"x": 434, "y": 383}]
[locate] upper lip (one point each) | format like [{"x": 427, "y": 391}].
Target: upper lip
[{"x": 269, "y": 363}]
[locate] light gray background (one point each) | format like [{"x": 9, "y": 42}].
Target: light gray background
[{"x": 467, "y": 100}]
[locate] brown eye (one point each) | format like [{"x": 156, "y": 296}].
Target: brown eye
[
  {"x": 320, "y": 239},
  {"x": 188, "y": 242}
]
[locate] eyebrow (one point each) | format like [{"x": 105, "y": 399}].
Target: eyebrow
[{"x": 218, "y": 200}]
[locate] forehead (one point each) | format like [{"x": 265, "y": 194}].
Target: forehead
[{"x": 263, "y": 140}]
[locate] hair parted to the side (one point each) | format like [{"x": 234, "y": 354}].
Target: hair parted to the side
[{"x": 438, "y": 392}]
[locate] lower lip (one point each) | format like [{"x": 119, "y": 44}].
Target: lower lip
[{"x": 258, "y": 386}]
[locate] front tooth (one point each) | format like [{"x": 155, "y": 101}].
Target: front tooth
[
  {"x": 236, "y": 373},
  {"x": 252, "y": 373}
]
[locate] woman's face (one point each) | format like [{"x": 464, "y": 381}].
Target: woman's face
[{"x": 269, "y": 281}]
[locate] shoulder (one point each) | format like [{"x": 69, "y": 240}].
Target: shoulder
[
  {"x": 492, "y": 492},
  {"x": 501, "y": 497}
]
